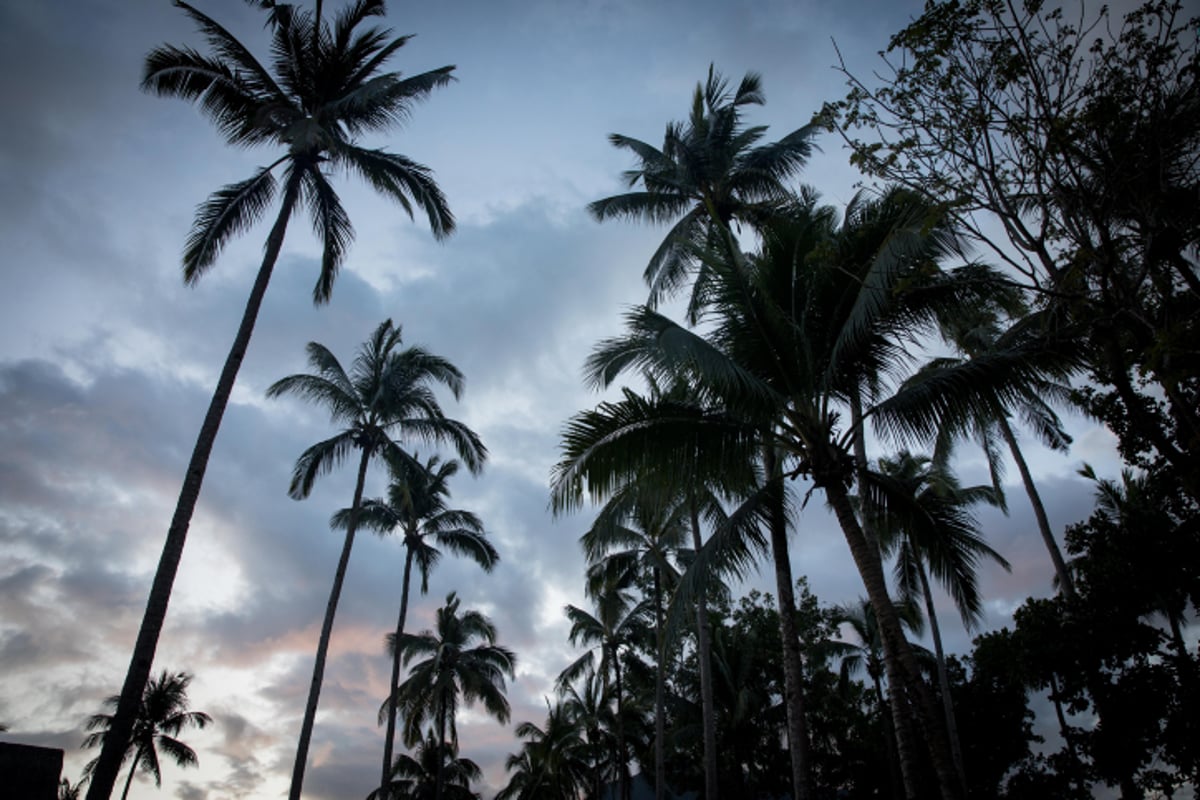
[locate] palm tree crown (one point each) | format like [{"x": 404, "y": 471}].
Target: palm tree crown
[
  {"x": 325, "y": 87},
  {"x": 710, "y": 169}
]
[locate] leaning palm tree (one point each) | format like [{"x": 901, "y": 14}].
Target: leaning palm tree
[
  {"x": 387, "y": 394},
  {"x": 161, "y": 716},
  {"x": 325, "y": 88},
  {"x": 461, "y": 661},
  {"x": 415, "y": 777},
  {"x": 710, "y": 172},
  {"x": 924, "y": 517},
  {"x": 416, "y": 510}
]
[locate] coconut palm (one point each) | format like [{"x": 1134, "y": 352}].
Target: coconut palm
[
  {"x": 325, "y": 87},
  {"x": 416, "y": 510},
  {"x": 710, "y": 172},
  {"x": 415, "y": 776},
  {"x": 461, "y": 661},
  {"x": 552, "y": 762},
  {"x": 161, "y": 716},
  {"x": 788, "y": 336},
  {"x": 639, "y": 530},
  {"x": 588, "y": 700},
  {"x": 924, "y": 518},
  {"x": 387, "y": 394},
  {"x": 612, "y": 627}
]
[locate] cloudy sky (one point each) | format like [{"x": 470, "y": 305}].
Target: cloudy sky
[{"x": 107, "y": 360}]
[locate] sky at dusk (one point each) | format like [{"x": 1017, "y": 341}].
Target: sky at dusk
[{"x": 107, "y": 361}]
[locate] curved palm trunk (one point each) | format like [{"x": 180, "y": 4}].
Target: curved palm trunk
[
  {"x": 129, "y": 780},
  {"x": 904, "y": 737},
  {"x": 793, "y": 676},
  {"x": 943, "y": 680},
  {"x": 314, "y": 689},
  {"x": 660, "y": 732},
  {"x": 109, "y": 761},
  {"x": 704, "y": 656},
  {"x": 389, "y": 740},
  {"x": 1039, "y": 511},
  {"x": 903, "y": 671}
]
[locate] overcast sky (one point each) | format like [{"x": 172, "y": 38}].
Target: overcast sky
[{"x": 107, "y": 360}]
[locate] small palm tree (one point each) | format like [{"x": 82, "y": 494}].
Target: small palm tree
[
  {"x": 710, "y": 172},
  {"x": 416, "y": 510},
  {"x": 461, "y": 661},
  {"x": 325, "y": 88},
  {"x": 415, "y": 777},
  {"x": 386, "y": 394},
  {"x": 69, "y": 791},
  {"x": 552, "y": 761},
  {"x": 162, "y": 715}
]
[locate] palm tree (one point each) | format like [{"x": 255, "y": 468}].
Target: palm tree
[
  {"x": 387, "y": 393},
  {"x": 789, "y": 334},
  {"x": 416, "y": 510},
  {"x": 552, "y": 762},
  {"x": 161, "y": 716},
  {"x": 710, "y": 172},
  {"x": 415, "y": 777},
  {"x": 611, "y": 628},
  {"x": 588, "y": 700},
  {"x": 326, "y": 88},
  {"x": 69, "y": 791},
  {"x": 925, "y": 519},
  {"x": 461, "y": 660},
  {"x": 637, "y": 531}
]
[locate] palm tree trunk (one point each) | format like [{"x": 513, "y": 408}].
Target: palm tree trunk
[
  {"x": 314, "y": 689},
  {"x": 1039, "y": 511},
  {"x": 660, "y": 727},
  {"x": 889, "y": 734},
  {"x": 389, "y": 739},
  {"x": 904, "y": 735},
  {"x": 943, "y": 680},
  {"x": 109, "y": 762},
  {"x": 793, "y": 680},
  {"x": 129, "y": 780},
  {"x": 903, "y": 671},
  {"x": 441, "y": 764},
  {"x": 622, "y": 752},
  {"x": 704, "y": 656}
]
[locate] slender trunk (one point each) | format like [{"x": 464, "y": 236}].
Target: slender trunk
[
  {"x": 389, "y": 739},
  {"x": 943, "y": 680},
  {"x": 441, "y": 764},
  {"x": 109, "y": 761},
  {"x": 704, "y": 656},
  {"x": 314, "y": 689},
  {"x": 900, "y": 662},
  {"x": 889, "y": 735},
  {"x": 793, "y": 680},
  {"x": 622, "y": 753},
  {"x": 905, "y": 736},
  {"x": 129, "y": 780},
  {"x": 1039, "y": 512},
  {"x": 660, "y": 728},
  {"x": 1065, "y": 731}
]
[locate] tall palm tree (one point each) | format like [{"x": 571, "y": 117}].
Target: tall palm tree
[
  {"x": 788, "y": 335},
  {"x": 325, "y": 88},
  {"x": 461, "y": 660},
  {"x": 711, "y": 171},
  {"x": 416, "y": 510},
  {"x": 925, "y": 519},
  {"x": 639, "y": 530},
  {"x": 161, "y": 716},
  {"x": 387, "y": 393},
  {"x": 552, "y": 762},
  {"x": 611, "y": 628},
  {"x": 415, "y": 776}
]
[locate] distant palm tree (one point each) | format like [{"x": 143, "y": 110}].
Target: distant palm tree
[
  {"x": 325, "y": 89},
  {"x": 461, "y": 661},
  {"x": 416, "y": 510},
  {"x": 386, "y": 394},
  {"x": 552, "y": 762},
  {"x": 162, "y": 715},
  {"x": 415, "y": 777},
  {"x": 924, "y": 517},
  {"x": 66, "y": 791},
  {"x": 710, "y": 172}
]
